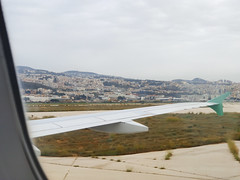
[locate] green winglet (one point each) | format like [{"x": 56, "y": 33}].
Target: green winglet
[{"x": 218, "y": 108}]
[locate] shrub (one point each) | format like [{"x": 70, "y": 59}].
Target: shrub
[
  {"x": 129, "y": 169},
  {"x": 168, "y": 155}
]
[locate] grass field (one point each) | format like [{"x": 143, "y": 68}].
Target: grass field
[
  {"x": 166, "y": 132},
  {"x": 51, "y": 107}
]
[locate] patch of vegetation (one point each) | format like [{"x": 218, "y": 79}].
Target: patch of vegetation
[
  {"x": 54, "y": 107},
  {"x": 192, "y": 130},
  {"x": 162, "y": 167},
  {"x": 36, "y": 118},
  {"x": 173, "y": 118},
  {"x": 168, "y": 155},
  {"x": 129, "y": 169},
  {"x": 46, "y": 117},
  {"x": 32, "y": 85},
  {"x": 96, "y": 157},
  {"x": 233, "y": 149}
]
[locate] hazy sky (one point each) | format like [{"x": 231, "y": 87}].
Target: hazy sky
[{"x": 147, "y": 39}]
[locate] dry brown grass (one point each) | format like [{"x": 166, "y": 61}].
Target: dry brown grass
[
  {"x": 233, "y": 149},
  {"x": 51, "y": 107}
]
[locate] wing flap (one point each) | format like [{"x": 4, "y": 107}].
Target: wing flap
[{"x": 122, "y": 128}]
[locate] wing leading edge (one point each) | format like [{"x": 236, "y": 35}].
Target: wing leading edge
[{"x": 120, "y": 121}]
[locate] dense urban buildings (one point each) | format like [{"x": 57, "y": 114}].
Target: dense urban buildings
[{"x": 74, "y": 86}]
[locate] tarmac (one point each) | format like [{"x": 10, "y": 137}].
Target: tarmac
[{"x": 210, "y": 162}]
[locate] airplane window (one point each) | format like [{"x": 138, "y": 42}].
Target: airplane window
[{"x": 129, "y": 89}]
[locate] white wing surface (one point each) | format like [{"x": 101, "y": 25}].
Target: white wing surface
[{"x": 120, "y": 121}]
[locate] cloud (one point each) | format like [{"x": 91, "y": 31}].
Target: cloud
[{"x": 147, "y": 39}]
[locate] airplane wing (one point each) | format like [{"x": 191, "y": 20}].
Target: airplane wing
[{"x": 119, "y": 121}]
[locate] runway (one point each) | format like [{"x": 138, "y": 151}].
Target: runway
[{"x": 227, "y": 107}]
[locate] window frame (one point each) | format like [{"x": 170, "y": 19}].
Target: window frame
[{"x": 18, "y": 160}]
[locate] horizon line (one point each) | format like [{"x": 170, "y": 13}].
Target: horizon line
[{"x": 126, "y": 77}]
